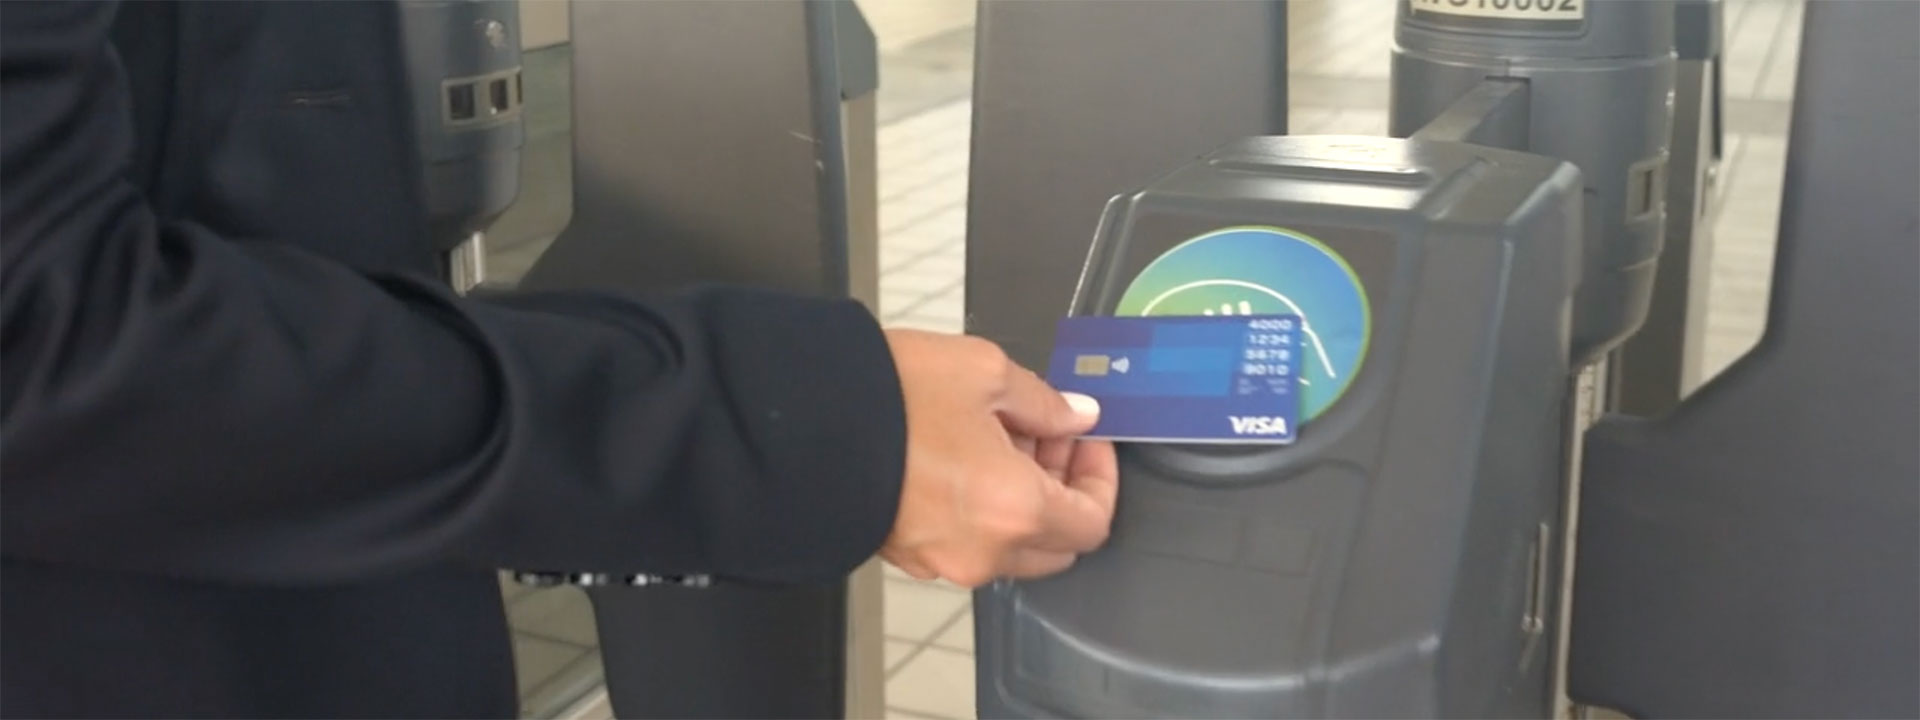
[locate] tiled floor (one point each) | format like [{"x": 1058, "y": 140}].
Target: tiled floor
[{"x": 1338, "y": 61}]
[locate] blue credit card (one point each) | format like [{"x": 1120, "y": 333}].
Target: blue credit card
[{"x": 1200, "y": 379}]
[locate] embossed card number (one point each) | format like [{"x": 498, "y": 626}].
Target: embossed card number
[{"x": 1506, "y": 9}]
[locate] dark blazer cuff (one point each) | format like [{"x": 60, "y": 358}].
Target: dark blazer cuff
[{"x": 824, "y": 412}]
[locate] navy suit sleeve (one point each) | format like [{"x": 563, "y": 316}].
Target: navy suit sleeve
[{"x": 174, "y": 402}]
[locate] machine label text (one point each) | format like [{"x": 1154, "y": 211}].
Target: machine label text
[{"x": 1552, "y": 10}]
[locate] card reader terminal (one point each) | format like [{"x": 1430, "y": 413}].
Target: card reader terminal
[{"x": 1385, "y": 563}]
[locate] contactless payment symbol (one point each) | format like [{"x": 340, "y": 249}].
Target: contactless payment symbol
[{"x": 1267, "y": 271}]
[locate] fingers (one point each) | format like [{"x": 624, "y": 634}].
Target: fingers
[
  {"x": 1027, "y": 446},
  {"x": 1028, "y": 406},
  {"x": 1077, "y": 514},
  {"x": 993, "y": 486},
  {"x": 1075, "y": 517},
  {"x": 1054, "y": 456},
  {"x": 1095, "y": 474}
]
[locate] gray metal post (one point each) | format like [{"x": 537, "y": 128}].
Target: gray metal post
[
  {"x": 1662, "y": 362},
  {"x": 1601, "y": 75},
  {"x": 859, "y": 68}
]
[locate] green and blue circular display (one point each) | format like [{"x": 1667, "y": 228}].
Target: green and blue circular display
[{"x": 1267, "y": 271}]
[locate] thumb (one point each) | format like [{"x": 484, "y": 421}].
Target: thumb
[{"x": 1031, "y": 407}]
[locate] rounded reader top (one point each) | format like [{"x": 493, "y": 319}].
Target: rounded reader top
[{"x": 1522, "y": 29}]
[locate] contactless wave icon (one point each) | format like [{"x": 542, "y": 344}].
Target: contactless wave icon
[{"x": 1266, "y": 271}]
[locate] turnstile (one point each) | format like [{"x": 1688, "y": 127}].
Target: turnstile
[
  {"x": 1402, "y": 559},
  {"x": 1433, "y": 281},
  {"x": 1467, "y": 286}
]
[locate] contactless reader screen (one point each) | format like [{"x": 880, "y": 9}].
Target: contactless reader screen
[{"x": 1177, "y": 266}]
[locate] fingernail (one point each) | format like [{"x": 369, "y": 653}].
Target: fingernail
[{"x": 1082, "y": 404}]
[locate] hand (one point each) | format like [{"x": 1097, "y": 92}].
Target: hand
[{"x": 997, "y": 483}]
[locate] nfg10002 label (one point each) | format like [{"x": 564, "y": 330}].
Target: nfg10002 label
[{"x": 1522, "y": 10}]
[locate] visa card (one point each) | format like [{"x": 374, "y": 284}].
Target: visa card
[{"x": 1199, "y": 379}]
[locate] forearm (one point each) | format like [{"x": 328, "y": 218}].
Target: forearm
[{"x": 174, "y": 401}]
